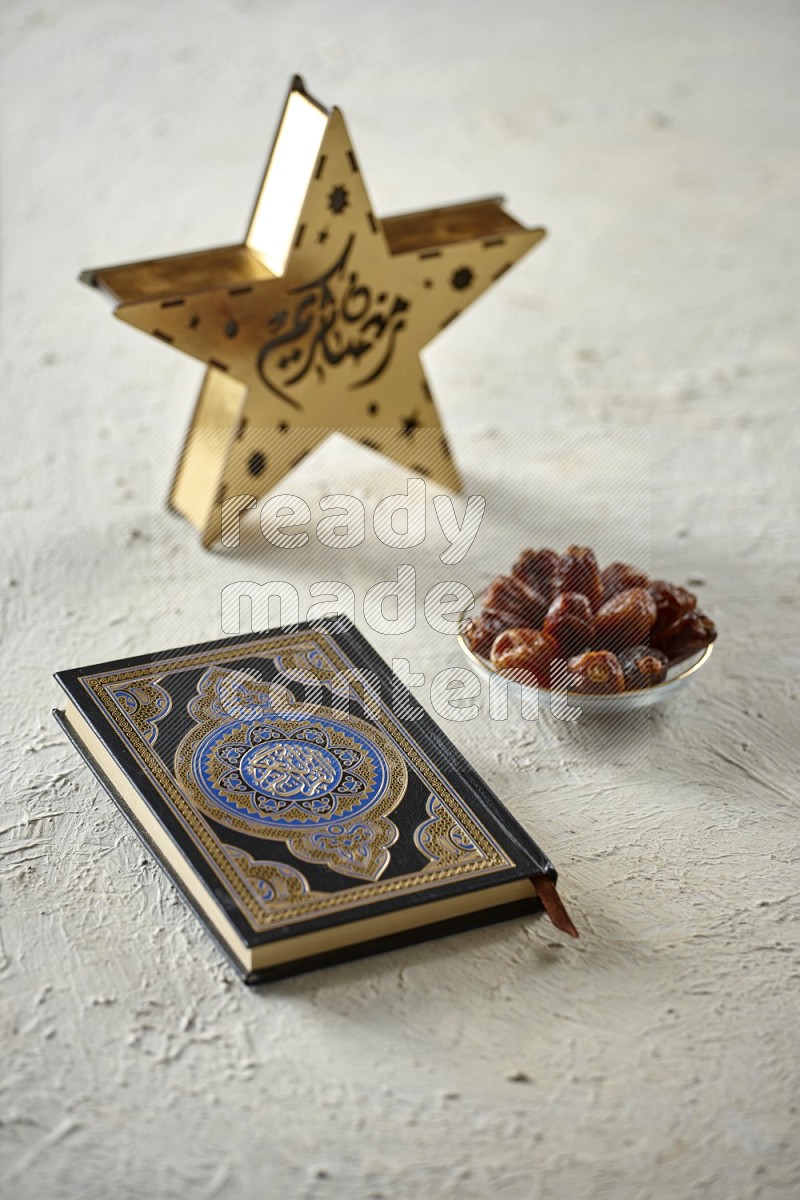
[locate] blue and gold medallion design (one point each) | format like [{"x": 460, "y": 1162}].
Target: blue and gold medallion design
[
  {"x": 284, "y": 774},
  {"x": 277, "y": 769}
]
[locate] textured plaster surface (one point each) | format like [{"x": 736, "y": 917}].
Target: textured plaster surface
[{"x": 632, "y": 384}]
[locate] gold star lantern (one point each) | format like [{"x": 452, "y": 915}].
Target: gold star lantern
[{"x": 315, "y": 321}]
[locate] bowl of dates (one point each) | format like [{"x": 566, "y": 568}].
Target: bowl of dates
[{"x": 610, "y": 639}]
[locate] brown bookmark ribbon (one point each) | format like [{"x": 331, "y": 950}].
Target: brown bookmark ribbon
[{"x": 553, "y": 905}]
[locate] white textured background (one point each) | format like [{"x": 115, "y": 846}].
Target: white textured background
[{"x": 633, "y": 383}]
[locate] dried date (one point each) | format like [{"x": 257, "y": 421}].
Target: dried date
[
  {"x": 690, "y": 633},
  {"x": 596, "y": 672},
  {"x": 642, "y": 667},
  {"x": 537, "y": 569},
  {"x": 620, "y": 577},
  {"x": 625, "y": 620},
  {"x": 526, "y": 654},
  {"x": 578, "y": 572},
  {"x": 479, "y": 632},
  {"x": 610, "y": 625},
  {"x": 571, "y": 622},
  {"x": 672, "y": 602},
  {"x": 514, "y": 600}
]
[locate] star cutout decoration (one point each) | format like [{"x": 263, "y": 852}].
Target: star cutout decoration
[{"x": 315, "y": 322}]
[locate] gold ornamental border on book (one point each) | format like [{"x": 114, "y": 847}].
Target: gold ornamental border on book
[{"x": 317, "y": 653}]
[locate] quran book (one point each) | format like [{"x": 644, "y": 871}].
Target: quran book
[{"x": 304, "y": 805}]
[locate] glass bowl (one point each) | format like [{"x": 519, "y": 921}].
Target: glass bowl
[{"x": 677, "y": 678}]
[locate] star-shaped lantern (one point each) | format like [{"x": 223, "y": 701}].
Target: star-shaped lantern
[{"x": 315, "y": 322}]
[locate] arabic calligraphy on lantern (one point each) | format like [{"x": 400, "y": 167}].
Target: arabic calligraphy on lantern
[{"x": 336, "y": 322}]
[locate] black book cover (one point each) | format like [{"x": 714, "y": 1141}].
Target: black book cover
[{"x": 289, "y": 776}]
